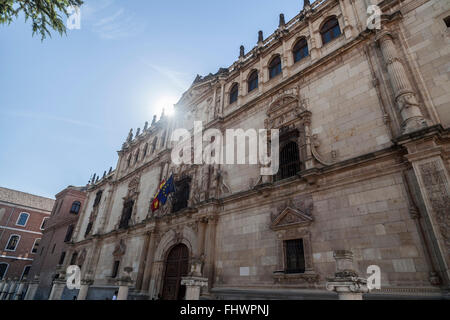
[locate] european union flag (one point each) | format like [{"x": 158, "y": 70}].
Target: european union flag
[{"x": 168, "y": 188}]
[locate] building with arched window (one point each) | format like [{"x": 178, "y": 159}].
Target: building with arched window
[
  {"x": 234, "y": 93},
  {"x": 274, "y": 67},
  {"x": 363, "y": 179},
  {"x": 330, "y": 30},
  {"x": 252, "y": 81},
  {"x": 300, "y": 50}
]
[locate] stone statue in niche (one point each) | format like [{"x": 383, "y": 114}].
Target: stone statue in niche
[
  {"x": 221, "y": 181},
  {"x": 120, "y": 249},
  {"x": 133, "y": 186}
]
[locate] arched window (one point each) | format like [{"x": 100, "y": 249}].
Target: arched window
[
  {"x": 274, "y": 67},
  {"x": 253, "y": 81},
  {"x": 75, "y": 209},
  {"x": 36, "y": 245},
  {"x": 145, "y": 150},
  {"x": 289, "y": 161},
  {"x": 44, "y": 221},
  {"x": 155, "y": 141},
  {"x": 300, "y": 50},
  {"x": 129, "y": 161},
  {"x": 234, "y": 93},
  {"x": 3, "y": 270},
  {"x": 12, "y": 242},
  {"x": 163, "y": 138},
  {"x": 136, "y": 157},
  {"x": 22, "y": 220},
  {"x": 330, "y": 30},
  {"x": 25, "y": 272}
]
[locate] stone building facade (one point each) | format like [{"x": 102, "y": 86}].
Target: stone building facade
[
  {"x": 22, "y": 220},
  {"x": 57, "y": 233},
  {"x": 364, "y": 117}
]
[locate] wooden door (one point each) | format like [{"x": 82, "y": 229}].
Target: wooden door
[{"x": 177, "y": 264}]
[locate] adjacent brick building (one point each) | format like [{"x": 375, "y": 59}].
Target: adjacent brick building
[
  {"x": 22, "y": 219},
  {"x": 57, "y": 234}
]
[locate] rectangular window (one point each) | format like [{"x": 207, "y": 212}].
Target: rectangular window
[
  {"x": 98, "y": 197},
  {"x": 36, "y": 246},
  {"x": 69, "y": 233},
  {"x": 74, "y": 259},
  {"x": 62, "y": 257},
  {"x": 115, "y": 270},
  {"x": 181, "y": 195},
  {"x": 126, "y": 214},
  {"x": 88, "y": 229},
  {"x": 295, "y": 257}
]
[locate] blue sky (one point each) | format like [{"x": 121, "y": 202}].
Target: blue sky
[{"x": 67, "y": 103}]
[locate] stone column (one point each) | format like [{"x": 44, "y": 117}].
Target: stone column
[
  {"x": 222, "y": 96},
  {"x": 347, "y": 26},
  {"x": 346, "y": 282},
  {"x": 57, "y": 289},
  {"x": 19, "y": 295},
  {"x": 210, "y": 245},
  {"x": 148, "y": 264},
  {"x": 405, "y": 97},
  {"x": 32, "y": 288},
  {"x": 314, "y": 51},
  {"x": 84, "y": 289},
  {"x": 142, "y": 262},
  {"x": 193, "y": 286},
  {"x": 309, "y": 163},
  {"x": 202, "y": 223},
  {"x": 156, "y": 280}
]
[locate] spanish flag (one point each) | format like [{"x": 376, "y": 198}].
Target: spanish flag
[{"x": 156, "y": 202}]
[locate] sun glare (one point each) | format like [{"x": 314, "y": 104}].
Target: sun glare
[{"x": 165, "y": 103}]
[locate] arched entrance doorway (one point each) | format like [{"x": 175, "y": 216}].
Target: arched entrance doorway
[{"x": 177, "y": 265}]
